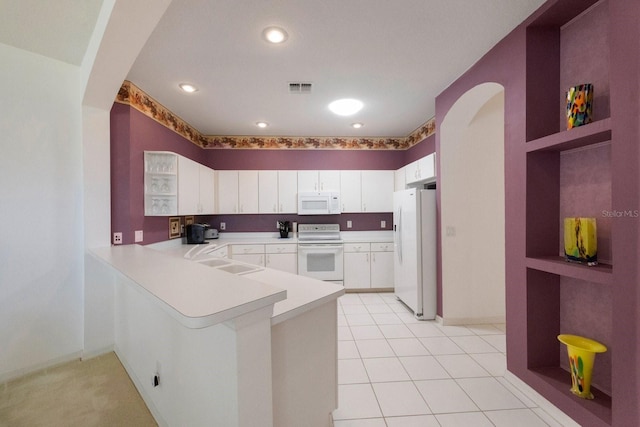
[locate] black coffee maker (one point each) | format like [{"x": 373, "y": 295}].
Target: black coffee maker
[{"x": 284, "y": 227}]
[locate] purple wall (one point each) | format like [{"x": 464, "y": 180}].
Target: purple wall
[
  {"x": 223, "y": 159},
  {"x": 132, "y": 133},
  {"x": 534, "y": 64}
]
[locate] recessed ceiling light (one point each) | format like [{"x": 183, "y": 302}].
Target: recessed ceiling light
[
  {"x": 189, "y": 88},
  {"x": 356, "y": 125},
  {"x": 274, "y": 35},
  {"x": 346, "y": 107},
  {"x": 262, "y": 124}
]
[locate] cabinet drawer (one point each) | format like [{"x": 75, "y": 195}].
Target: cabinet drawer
[
  {"x": 288, "y": 248},
  {"x": 382, "y": 247},
  {"x": 357, "y": 247},
  {"x": 247, "y": 249}
]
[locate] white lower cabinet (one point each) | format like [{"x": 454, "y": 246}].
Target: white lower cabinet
[
  {"x": 357, "y": 265},
  {"x": 251, "y": 254},
  {"x": 279, "y": 256},
  {"x": 282, "y": 257},
  {"x": 382, "y": 265},
  {"x": 368, "y": 265}
]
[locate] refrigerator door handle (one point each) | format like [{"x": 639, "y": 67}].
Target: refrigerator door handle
[{"x": 399, "y": 231}]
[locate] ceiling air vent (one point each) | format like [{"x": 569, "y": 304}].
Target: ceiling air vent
[{"x": 299, "y": 87}]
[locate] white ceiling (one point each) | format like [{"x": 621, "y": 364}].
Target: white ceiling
[
  {"x": 395, "y": 56},
  {"x": 58, "y": 29}
]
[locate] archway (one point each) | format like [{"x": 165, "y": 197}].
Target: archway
[{"x": 472, "y": 208}]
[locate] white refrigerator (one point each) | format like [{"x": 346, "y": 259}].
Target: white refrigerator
[{"x": 414, "y": 240}]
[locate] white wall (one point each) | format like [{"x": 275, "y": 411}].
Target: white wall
[
  {"x": 41, "y": 239},
  {"x": 54, "y": 167},
  {"x": 472, "y": 208}
]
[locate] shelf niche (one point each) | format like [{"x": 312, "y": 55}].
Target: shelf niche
[
  {"x": 562, "y": 54},
  {"x": 568, "y": 174}
]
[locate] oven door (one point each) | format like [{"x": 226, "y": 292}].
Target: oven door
[{"x": 321, "y": 261}]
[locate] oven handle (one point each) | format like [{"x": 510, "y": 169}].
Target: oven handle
[{"x": 307, "y": 246}]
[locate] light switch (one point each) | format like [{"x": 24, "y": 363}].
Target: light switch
[
  {"x": 349, "y": 224},
  {"x": 383, "y": 224},
  {"x": 138, "y": 236}
]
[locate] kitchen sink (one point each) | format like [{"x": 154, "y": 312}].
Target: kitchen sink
[
  {"x": 240, "y": 268},
  {"x": 215, "y": 262}
]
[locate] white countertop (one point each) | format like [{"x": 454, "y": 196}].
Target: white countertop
[
  {"x": 196, "y": 295},
  {"x": 177, "y": 246}
]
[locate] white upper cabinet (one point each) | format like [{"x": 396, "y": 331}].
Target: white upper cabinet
[
  {"x": 207, "y": 191},
  {"x": 325, "y": 180},
  {"x": 278, "y": 191},
  {"x": 288, "y": 191},
  {"x": 350, "y": 191},
  {"x": 227, "y": 192},
  {"x": 377, "y": 191},
  {"x": 268, "y": 192},
  {"x": 400, "y": 179},
  {"x": 423, "y": 169},
  {"x": 248, "y": 192},
  {"x": 196, "y": 189}
]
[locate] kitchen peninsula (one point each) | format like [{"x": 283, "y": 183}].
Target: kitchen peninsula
[{"x": 208, "y": 347}]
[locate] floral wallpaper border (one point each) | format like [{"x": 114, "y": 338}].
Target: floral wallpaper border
[{"x": 132, "y": 95}]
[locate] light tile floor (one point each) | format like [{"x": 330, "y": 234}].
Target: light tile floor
[{"x": 396, "y": 371}]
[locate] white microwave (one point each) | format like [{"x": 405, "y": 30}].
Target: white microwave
[{"x": 319, "y": 203}]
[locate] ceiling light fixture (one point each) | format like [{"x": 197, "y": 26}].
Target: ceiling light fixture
[
  {"x": 262, "y": 125},
  {"x": 346, "y": 107},
  {"x": 356, "y": 125},
  {"x": 275, "y": 35},
  {"x": 189, "y": 88}
]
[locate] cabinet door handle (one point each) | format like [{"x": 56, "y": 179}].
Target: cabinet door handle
[
  {"x": 373, "y": 257},
  {"x": 367, "y": 257}
]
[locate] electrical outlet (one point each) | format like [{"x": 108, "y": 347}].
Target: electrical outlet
[
  {"x": 349, "y": 224},
  {"x": 223, "y": 226},
  {"x": 383, "y": 224},
  {"x": 138, "y": 236},
  {"x": 117, "y": 238}
]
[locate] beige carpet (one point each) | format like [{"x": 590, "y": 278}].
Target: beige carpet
[{"x": 95, "y": 392}]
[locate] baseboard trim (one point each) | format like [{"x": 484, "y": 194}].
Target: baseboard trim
[
  {"x": 556, "y": 414},
  {"x": 51, "y": 363},
  {"x": 155, "y": 413},
  {"x": 460, "y": 321},
  {"x": 86, "y": 355}
]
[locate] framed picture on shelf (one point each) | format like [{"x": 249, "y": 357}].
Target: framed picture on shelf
[
  {"x": 189, "y": 220},
  {"x": 174, "y": 227}
]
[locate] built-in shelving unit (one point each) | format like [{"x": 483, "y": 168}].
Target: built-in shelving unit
[
  {"x": 548, "y": 69},
  {"x": 160, "y": 183}
]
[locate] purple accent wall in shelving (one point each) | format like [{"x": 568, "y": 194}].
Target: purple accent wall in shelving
[
  {"x": 132, "y": 133},
  {"x": 534, "y": 64}
]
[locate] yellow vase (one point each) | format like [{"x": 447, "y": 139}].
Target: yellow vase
[
  {"x": 582, "y": 352},
  {"x": 580, "y": 240}
]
